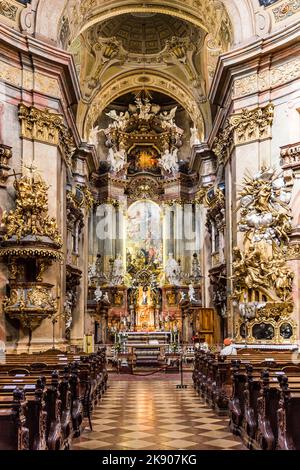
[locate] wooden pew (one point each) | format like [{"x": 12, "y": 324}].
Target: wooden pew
[
  {"x": 14, "y": 435},
  {"x": 288, "y": 415},
  {"x": 55, "y": 401}
]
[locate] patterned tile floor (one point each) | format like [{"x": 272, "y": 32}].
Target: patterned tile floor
[{"x": 153, "y": 415}]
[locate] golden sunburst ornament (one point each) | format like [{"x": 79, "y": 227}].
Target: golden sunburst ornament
[{"x": 146, "y": 160}]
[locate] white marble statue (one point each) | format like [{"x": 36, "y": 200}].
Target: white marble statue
[
  {"x": 167, "y": 118},
  {"x": 98, "y": 294},
  {"x": 182, "y": 297},
  {"x": 195, "y": 138},
  {"x": 120, "y": 120},
  {"x": 144, "y": 108},
  {"x": 192, "y": 293},
  {"x": 93, "y": 135},
  {"x": 117, "y": 272},
  {"x": 117, "y": 159},
  {"x": 173, "y": 272},
  {"x": 168, "y": 161}
]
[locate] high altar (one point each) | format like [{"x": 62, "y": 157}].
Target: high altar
[{"x": 145, "y": 223}]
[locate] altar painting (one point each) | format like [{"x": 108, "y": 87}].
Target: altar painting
[{"x": 144, "y": 234}]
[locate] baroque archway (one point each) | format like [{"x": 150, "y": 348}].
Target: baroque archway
[{"x": 124, "y": 83}]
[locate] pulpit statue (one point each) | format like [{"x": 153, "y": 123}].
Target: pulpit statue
[{"x": 173, "y": 272}]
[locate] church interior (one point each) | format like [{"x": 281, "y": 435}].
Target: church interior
[{"x": 149, "y": 225}]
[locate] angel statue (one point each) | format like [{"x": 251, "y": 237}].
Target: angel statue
[
  {"x": 93, "y": 135},
  {"x": 195, "y": 138},
  {"x": 168, "y": 161},
  {"x": 167, "y": 118},
  {"x": 117, "y": 159},
  {"x": 120, "y": 120},
  {"x": 144, "y": 108}
]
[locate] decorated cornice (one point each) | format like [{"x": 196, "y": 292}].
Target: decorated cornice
[
  {"x": 45, "y": 126},
  {"x": 244, "y": 127},
  {"x": 290, "y": 156},
  {"x": 245, "y": 64},
  {"x": 278, "y": 74},
  {"x": 108, "y": 201},
  {"x": 49, "y": 71}
]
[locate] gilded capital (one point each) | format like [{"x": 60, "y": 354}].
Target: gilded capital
[
  {"x": 45, "y": 126},
  {"x": 246, "y": 126}
]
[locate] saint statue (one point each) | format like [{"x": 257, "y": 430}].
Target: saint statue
[
  {"x": 68, "y": 305},
  {"x": 192, "y": 293},
  {"x": 117, "y": 159},
  {"x": 172, "y": 270},
  {"x": 98, "y": 294},
  {"x": 168, "y": 161},
  {"x": 93, "y": 135},
  {"x": 195, "y": 138},
  {"x": 105, "y": 298},
  {"x": 182, "y": 297},
  {"x": 117, "y": 271}
]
